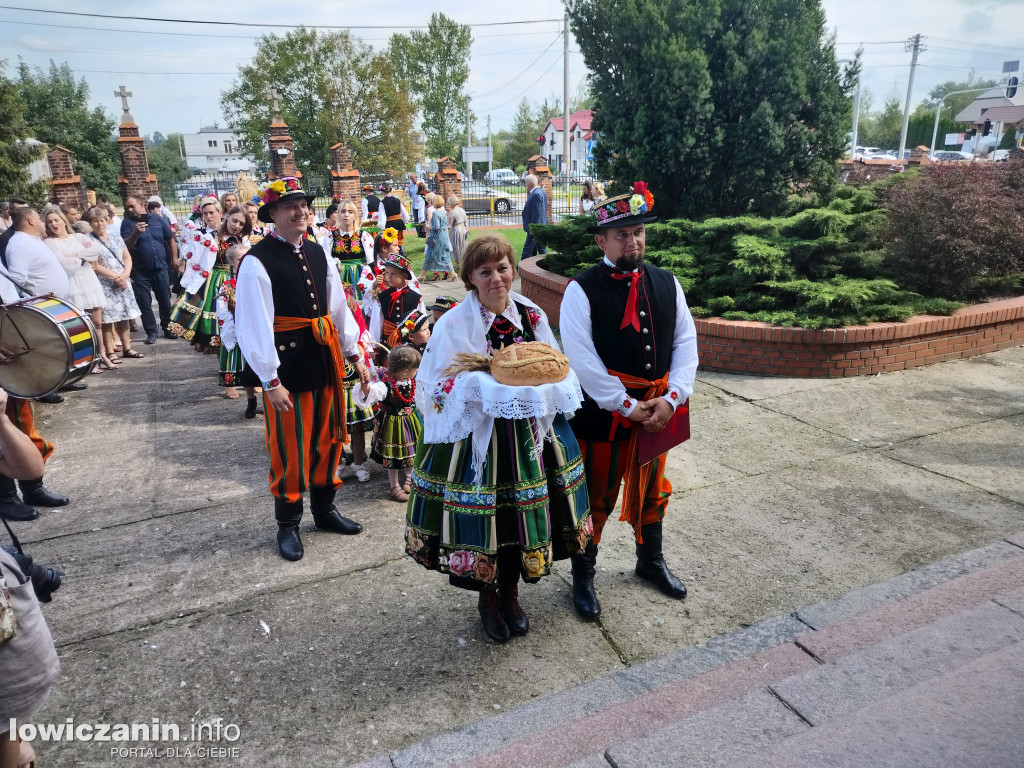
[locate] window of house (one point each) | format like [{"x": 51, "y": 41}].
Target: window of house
[{"x": 227, "y": 148}]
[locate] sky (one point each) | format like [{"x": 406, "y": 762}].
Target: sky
[{"x": 176, "y": 71}]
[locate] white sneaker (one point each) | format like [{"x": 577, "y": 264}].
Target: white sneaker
[{"x": 362, "y": 474}]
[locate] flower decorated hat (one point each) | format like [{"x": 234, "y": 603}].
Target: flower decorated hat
[
  {"x": 634, "y": 207},
  {"x": 274, "y": 192},
  {"x": 398, "y": 261},
  {"x": 444, "y": 303}
]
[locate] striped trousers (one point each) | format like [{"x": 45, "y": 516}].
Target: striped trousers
[
  {"x": 604, "y": 464},
  {"x": 299, "y": 444},
  {"x": 22, "y": 415}
]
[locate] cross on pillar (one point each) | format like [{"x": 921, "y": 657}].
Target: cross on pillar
[
  {"x": 123, "y": 94},
  {"x": 275, "y": 101}
]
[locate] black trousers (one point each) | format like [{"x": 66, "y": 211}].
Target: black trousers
[{"x": 146, "y": 282}]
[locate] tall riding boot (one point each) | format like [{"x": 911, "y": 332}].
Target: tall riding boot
[
  {"x": 510, "y": 564},
  {"x": 490, "y": 615},
  {"x": 33, "y": 492},
  {"x": 325, "y": 514},
  {"x": 11, "y": 507},
  {"x": 583, "y": 595},
  {"x": 650, "y": 563},
  {"x": 289, "y": 515}
]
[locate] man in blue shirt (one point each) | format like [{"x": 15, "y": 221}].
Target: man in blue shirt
[
  {"x": 151, "y": 243},
  {"x": 535, "y": 211}
]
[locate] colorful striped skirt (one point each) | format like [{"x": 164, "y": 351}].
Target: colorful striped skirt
[
  {"x": 194, "y": 315},
  {"x": 229, "y": 372},
  {"x": 532, "y": 502},
  {"x": 394, "y": 442},
  {"x": 357, "y": 420},
  {"x": 351, "y": 270}
]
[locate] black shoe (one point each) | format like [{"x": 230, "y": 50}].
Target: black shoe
[
  {"x": 53, "y": 398},
  {"x": 650, "y": 563},
  {"x": 78, "y": 386},
  {"x": 250, "y": 408},
  {"x": 169, "y": 335},
  {"x": 490, "y": 615},
  {"x": 150, "y": 339},
  {"x": 33, "y": 492},
  {"x": 516, "y": 619},
  {"x": 325, "y": 514},
  {"x": 583, "y": 596},
  {"x": 12, "y": 509},
  {"x": 288, "y": 516}
]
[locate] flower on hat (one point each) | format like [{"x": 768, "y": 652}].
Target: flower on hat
[
  {"x": 637, "y": 205},
  {"x": 390, "y": 235},
  {"x": 640, "y": 188}
]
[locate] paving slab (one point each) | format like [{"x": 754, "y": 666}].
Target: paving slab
[
  {"x": 1014, "y": 601},
  {"x": 888, "y": 667},
  {"x": 755, "y": 388},
  {"x": 969, "y": 718}
]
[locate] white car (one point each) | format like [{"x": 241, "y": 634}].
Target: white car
[{"x": 501, "y": 175}]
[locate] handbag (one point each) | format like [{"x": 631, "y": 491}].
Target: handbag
[{"x": 116, "y": 258}]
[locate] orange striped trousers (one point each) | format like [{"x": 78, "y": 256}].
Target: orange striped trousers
[
  {"x": 299, "y": 444},
  {"x": 22, "y": 415},
  {"x": 605, "y": 464}
]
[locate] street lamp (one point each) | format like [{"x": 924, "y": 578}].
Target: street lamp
[{"x": 856, "y": 106}]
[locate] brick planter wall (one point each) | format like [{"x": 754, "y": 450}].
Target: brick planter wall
[{"x": 768, "y": 350}]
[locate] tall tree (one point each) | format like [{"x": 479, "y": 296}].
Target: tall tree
[
  {"x": 166, "y": 162},
  {"x": 435, "y": 63},
  {"x": 334, "y": 88},
  {"x": 723, "y": 106},
  {"x": 57, "y": 111},
  {"x": 883, "y": 130},
  {"x": 521, "y": 143},
  {"x": 15, "y": 153},
  {"x": 957, "y": 103}
]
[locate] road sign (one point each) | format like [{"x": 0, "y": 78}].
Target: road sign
[
  {"x": 954, "y": 139},
  {"x": 476, "y": 154}
]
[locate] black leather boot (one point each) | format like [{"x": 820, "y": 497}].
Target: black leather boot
[
  {"x": 583, "y": 595},
  {"x": 33, "y": 492},
  {"x": 11, "y": 507},
  {"x": 515, "y": 618},
  {"x": 490, "y": 615},
  {"x": 250, "y": 408},
  {"x": 325, "y": 514},
  {"x": 650, "y": 563},
  {"x": 288, "y": 515}
]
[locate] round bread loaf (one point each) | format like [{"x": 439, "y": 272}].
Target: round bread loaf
[{"x": 529, "y": 364}]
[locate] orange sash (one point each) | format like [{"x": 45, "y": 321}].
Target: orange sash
[
  {"x": 325, "y": 332},
  {"x": 637, "y": 477}
]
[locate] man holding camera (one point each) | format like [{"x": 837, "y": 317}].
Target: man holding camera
[{"x": 151, "y": 243}]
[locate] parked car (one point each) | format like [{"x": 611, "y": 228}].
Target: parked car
[
  {"x": 500, "y": 175},
  {"x": 952, "y": 156},
  {"x": 479, "y": 198}
]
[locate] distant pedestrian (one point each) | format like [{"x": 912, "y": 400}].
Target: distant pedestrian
[
  {"x": 391, "y": 213},
  {"x": 151, "y": 243},
  {"x": 535, "y": 211},
  {"x": 414, "y": 194},
  {"x": 458, "y": 229},
  {"x": 370, "y": 203}
]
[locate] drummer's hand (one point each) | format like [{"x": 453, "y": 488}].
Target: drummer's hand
[
  {"x": 280, "y": 399},
  {"x": 660, "y": 413},
  {"x": 364, "y": 376},
  {"x": 5, "y": 357}
]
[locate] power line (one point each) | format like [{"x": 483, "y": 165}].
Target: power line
[
  {"x": 506, "y": 85},
  {"x": 270, "y": 26},
  {"x": 1017, "y": 48},
  {"x": 520, "y": 95}
]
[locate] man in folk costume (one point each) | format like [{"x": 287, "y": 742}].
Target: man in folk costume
[
  {"x": 628, "y": 334},
  {"x": 296, "y": 331},
  {"x": 392, "y": 213}
]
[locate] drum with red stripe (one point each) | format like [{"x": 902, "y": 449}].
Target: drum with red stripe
[{"x": 45, "y": 344}]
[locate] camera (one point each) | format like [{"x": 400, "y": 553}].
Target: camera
[{"x": 46, "y": 579}]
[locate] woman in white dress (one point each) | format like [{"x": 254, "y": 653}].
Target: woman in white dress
[
  {"x": 78, "y": 255},
  {"x": 113, "y": 266}
]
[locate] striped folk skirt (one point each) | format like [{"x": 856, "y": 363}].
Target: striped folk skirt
[
  {"x": 532, "y": 505},
  {"x": 351, "y": 270},
  {"x": 394, "y": 442},
  {"x": 357, "y": 420},
  {"x": 194, "y": 315}
]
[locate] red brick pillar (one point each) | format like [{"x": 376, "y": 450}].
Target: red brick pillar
[
  {"x": 65, "y": 185},
  {"x": 538, "y": 166},
  {"x": 135, "y": 178},
  {"x": 282, "y": 151},
  {"x": 344, "y": 178},
  {"x": 448, "y": 180}
]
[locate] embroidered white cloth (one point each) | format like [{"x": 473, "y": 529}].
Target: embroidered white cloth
[{"x": 455, "y": 409}]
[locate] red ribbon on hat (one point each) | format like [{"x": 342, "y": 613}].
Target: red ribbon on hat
[{"x": 632, "y": 314}]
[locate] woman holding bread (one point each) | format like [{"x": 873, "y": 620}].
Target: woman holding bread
[{"x": 497, "y": 486}]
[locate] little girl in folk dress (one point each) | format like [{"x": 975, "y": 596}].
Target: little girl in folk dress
[{"x": 399, "y": 424}]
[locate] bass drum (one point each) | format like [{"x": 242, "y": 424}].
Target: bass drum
[{"x": 46, "y": 344}]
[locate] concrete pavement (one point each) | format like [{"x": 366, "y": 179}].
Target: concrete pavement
[{"x": 791, "y": 492}]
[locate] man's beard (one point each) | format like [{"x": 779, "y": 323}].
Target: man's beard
[{"x": 629, "y": 263}]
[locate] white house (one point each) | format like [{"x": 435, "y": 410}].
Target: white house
[
  {"x": 581, "y": 143},
  {"x": 216, "y": 149},
  {"x": 996, "y": 109}
]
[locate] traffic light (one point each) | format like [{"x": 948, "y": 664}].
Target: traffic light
[{"x": 987, "y": 128}]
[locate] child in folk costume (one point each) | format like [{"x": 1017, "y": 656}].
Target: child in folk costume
[
  {"x": 233, "y": 369},
  {"x": 399, "y": 424},
  {"x": 398, "y": 299},
  {"x": 413, "y": 330},
  {"x": 351, "y": 247},
  {"x": 359, "y": 417}
]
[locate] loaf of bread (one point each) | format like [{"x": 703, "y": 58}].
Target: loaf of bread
[{"x": 529, "y": 364}]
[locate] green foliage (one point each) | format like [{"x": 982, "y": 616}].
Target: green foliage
[
  {"x": 57, "y": 112},
  {"x": 1009, "y": 140},
  {"x": 723, "y": 106},
  {"x": 435, "y": 64},
  {"x": 166, "y": 162},
  {"x": 334, "y": 88},
  {"x": 15, "y": 154}
]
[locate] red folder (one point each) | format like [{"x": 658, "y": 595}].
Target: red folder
[{"x": 650, "y": 445}]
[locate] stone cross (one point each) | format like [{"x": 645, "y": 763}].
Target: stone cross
[
  {"x": 275, "y": 96},
  {"x": 123, "y": 94}
]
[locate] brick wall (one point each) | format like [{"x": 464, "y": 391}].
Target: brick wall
[
  {"x": 448, "y": 180},
  {"x": 281, "y": 165},
  {"x": 767, "y": 350},
  {"x": 538, "y": 166},
  {"x": 65, "y": 184},
  {"x": 344, "y": 178},
  {"x": 135, "y": 178}
]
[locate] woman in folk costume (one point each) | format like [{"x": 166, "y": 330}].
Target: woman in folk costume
[
  {"x": 194, "y": 316},
  {"x": 498, "y": 490},
  {"x": 369, "y": 205},
  {"x": 398, "y": 299},
  {"x": 392, "y": 213},
  {"x": 350, "y": 246}
]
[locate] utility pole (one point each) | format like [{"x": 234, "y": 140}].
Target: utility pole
[
  {"x": 469, "y": 144},
  {"x": 913, "y": 44},
  {"x": 565, "y": 103},
  {"x": 490, "y": 150},
  {"x": 856, "y": 109}
]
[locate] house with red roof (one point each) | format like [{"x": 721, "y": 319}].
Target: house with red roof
[{"x": 581, "y": 143}]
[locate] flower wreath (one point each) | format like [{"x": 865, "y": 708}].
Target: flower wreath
[{"x": 275, "y": 190}]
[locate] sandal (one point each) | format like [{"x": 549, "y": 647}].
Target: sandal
[
  {"x": 132, "y": 354},
  {"x": 363, "y": 475},
  {"x": 398, "y": 494},
  {"x": 407, "y": 485}
]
